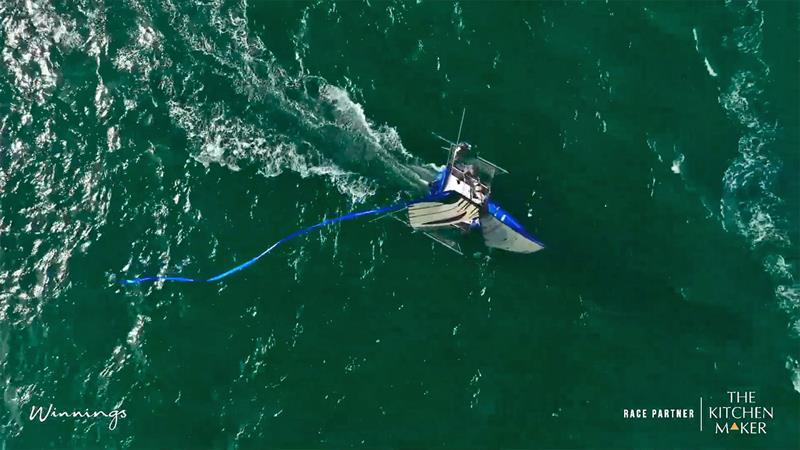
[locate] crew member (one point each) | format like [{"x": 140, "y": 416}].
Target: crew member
[{"x": 461, "y": 149}]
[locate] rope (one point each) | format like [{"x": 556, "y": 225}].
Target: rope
[{"x": 326, "y": 222}]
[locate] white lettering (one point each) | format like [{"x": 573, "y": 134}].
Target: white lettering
[{"x": 39, "y": 412}]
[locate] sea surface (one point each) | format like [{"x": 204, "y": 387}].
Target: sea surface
[{"x": 653, "y": 147}]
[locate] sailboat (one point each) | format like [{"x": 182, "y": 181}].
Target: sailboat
[{"x": 462, "y": 192}]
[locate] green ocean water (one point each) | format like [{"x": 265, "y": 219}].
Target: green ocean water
[{"x": 653, "y": 147}]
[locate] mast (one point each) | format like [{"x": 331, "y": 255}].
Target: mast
[
  {"x": 452, "y": 158},
  {"x": 463, "y": 113}
]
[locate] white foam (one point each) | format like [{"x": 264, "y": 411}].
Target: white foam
[
  {"x": 794, "y": 368},
  {"x": 474, "y": 383},
  {"x": 144, "y": 51},
  {"x": 253, "y": 71},
  {"x": 16, "y": 397},
  {"x": 70, "y": 204},
  {"x": 458, "y": 19},
  {"x": 709, "y": 69},
  {"x": 134, "y": 336},
  {"x": 146, "y": 36},
  {"x": 789, "y": 300},
  {"x": 677, "y": 163},
  {"x": 778, "y": 267},
  {"x": 112, "y": 138},
  {"x": 31, "y": 33},
  {"x": 602, "y": 121},
  {"x": 102, "y": 101},
  {"x": 231, "y": 142},
  {"x": 352, "y": 114},
  {"x": 751, "y": 203}
]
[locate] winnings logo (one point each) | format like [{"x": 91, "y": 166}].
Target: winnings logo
[{"x": 38, "y": 412}]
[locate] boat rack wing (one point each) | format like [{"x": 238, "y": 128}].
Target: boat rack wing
[
  {"x": 449, "y": 243},
  {"x": 488, "y": 164},
  {"x": 436, "y": 235}
]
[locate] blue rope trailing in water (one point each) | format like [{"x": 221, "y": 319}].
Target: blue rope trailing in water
[{"x": 326, "y": 222}]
